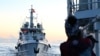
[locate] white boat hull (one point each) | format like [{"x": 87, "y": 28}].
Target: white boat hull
[{"x": 32, "y": 49}]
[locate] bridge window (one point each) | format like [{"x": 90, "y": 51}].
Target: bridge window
[{"x": 98, "y": 3}]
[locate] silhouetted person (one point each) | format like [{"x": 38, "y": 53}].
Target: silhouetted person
[
  {"x": 76, "y": 44},
  {"x": 70, "y": 28},
  {"x": 71, "y": 25}
]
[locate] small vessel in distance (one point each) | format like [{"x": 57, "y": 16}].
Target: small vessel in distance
[{"x": 32, "y": 41}]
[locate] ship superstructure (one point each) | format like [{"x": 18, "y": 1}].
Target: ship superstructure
[
  {"x": 88, "y": 14},
  {"x": 32, "y": 41}
]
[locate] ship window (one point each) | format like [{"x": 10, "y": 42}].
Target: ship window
[
  {"x": 34, "y": 37},
  {"x": 43, "y": 33},
  {"x": 21, "y": 48},
  {"x": 38, "y": 25},
  {"x": 25, "y": 46},
  {"x": 27, "y": 37},
  {"x": 40, "y": 31},
  {"x": 25, "y": 31},
  {"x": 30, "y": 30},
  {"x": 20, "y": 37},
  {"x": 83, "y": 4},
  {"x": 45, "y": 48},
  {"x": 98, "y": 3},
  {"x": 34, "y": 31}
]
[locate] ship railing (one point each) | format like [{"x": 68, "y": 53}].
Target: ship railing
[
  {"x": 75, "y": 5},
  {"x": 29, "y": 41}
]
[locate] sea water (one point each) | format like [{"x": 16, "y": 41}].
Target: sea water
[{"x": 8, "y": 49}]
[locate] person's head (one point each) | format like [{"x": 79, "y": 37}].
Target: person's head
[{"x": 72, "y": 20}]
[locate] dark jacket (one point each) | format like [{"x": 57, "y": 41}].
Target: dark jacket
[{"x": 71, "y": 48}]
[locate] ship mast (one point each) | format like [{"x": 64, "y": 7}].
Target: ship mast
[{"x": 31, "y": 17}]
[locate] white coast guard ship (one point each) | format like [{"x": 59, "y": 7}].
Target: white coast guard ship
[
  {"x": 88, "y": 14},
  {"x": 32, "y": 40}
]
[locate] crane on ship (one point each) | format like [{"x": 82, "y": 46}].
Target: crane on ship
[{"x": 88, "y": 15}]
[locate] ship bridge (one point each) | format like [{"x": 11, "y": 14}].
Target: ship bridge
[{"x": 88, "y": 14}]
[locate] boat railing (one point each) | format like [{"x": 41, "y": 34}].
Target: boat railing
[
  {"x": 32, "y": 41},
  {"x": 88, "y": 4},
  {"x": 78, "y": 5}
]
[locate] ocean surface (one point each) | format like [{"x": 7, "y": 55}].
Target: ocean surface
[{"x": 8, "y": 49}]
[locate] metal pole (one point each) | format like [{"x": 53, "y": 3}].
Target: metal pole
[
  {"x": 97, "y": 44},
  {"x": 31, "y": 18},
  {"x": 97, "y": 28}
]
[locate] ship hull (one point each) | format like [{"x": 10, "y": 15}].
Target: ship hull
[{"x": 32, "y": 49}]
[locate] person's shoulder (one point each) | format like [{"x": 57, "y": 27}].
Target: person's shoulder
[{"x": 64, "y": 43}]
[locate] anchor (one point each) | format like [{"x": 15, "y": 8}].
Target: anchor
[{"x": 36, "y": 50}]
